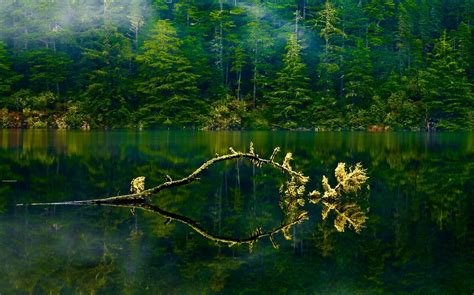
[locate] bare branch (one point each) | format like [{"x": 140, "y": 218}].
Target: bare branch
[
  {"x": 291, "y": 201},
  {"x": 148, "y": 193}
]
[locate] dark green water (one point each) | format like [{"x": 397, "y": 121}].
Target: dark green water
[{"x": 419, "y": 236}]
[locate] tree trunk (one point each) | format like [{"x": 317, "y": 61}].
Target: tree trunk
[{"x": 239, "y": 79}]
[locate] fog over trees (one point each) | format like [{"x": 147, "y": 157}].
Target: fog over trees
[{"x": 220, "y": 64}]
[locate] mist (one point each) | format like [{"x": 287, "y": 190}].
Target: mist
[{"x": 44, "y": 22}]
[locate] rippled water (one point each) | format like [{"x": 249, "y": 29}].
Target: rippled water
[{"x": 419, "y": 237}]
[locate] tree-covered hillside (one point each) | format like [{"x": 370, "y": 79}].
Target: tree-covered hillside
[{"x": 231, "y": 64}]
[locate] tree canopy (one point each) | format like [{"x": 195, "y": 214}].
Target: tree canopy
[{"x": 321, "y": 64}]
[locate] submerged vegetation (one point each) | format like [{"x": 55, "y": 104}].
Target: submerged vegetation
[
  {"x": 342, "y": 199},
  {"x": 220, "y": 64}
]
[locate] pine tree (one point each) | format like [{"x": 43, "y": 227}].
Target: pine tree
[
  {"x": 136, "y": 19},
  {"x": 47, "y": 69},
  {"x": 408, "y": 44},
  {"x": 465, "y": 46},
  {"x": 379, "y": 35},
  {"x": 7, "y": 75},
  {"x": 167, "y": 81},
  {"x": 445, "y": 88},
  {"x": 260, "y": 46},
  {"x": 291, "y": 96},
  {"x": 359, "y": 86},
  {"x": 106, "y": 97},
  {"x": 237, "y": 67},
  {"x": 328, "y": 21},
  {"x": 379, "y": 13}
]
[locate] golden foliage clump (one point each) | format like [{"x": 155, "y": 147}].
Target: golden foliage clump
[
  {"x": 341, "y": 198},
  {"x": 292, "y": 192},
  {"x": 137, "y": 185},
  {"x": 351, "y": 181}
]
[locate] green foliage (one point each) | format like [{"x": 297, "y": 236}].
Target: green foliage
[
  {"x": 47, "y": 69},
  {"x": 26, "y": 99},
  {"x": 291, "y": 96},
  {"x": 163, "y": 64},
  {"x": 7, "y": 75},
  {"x": 5, "y": 119},
  {"x": 227, "y": 114},
  {"x": 106, "y": 97},
  {"x": 325, "y": 114},
  {"x": 402, "y": 112},
  {"x": 445, "y": 87},
  {"x": 72, "y": 118},
  {"x": 328, "y": 22},
  {"x": 359, "y": 81},
  {"x": 169, "y": 86}
]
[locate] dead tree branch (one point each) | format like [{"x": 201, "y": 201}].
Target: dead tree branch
[{"x": 291, "y": 201}]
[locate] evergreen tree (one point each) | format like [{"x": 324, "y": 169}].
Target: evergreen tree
[
  {"x": 465, "y": 46},
  {"x": 136, "y": 19},
  {"x": 409, "y": 46},
  {"x": 445, "y": 88},
  {"x": 359, "y": 87},
  {"x": 167, "y": 81},
  {"x": 106, "y": 97},
  {"x": 379, "y": 14},
  {"x": 260, "y": 46},
  {"x": 237, "y": 67},
  {"x": 47, "y": 69},
  {"x": 7, "y": 75},
  {"x": 325, "y": 109},
  {"x": 361, "y": 55},
  {"x": 328, "y": 21},
  {"x": 291, "y": 96}
]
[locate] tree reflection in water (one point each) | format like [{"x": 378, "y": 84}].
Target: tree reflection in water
[
  {"x": 419, "y": 237},
  {"x": 292, "y": 200}
]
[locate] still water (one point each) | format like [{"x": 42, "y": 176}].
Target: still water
[{"x": 419, "y": 237}]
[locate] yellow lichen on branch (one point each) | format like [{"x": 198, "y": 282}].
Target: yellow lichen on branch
[
  {"x": 336, "y": 199},
  {"x": 292, "y": 197}
]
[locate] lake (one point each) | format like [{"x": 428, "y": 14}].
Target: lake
[{"x": 418, "y": 238}]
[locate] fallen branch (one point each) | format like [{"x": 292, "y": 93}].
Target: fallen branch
[{"x": 291, "y": 200}]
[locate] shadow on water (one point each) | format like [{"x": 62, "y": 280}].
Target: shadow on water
[{"x": 418, "y": 238}]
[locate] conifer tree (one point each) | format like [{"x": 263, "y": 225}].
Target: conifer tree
[
  {"x": 237, "y": 67},
  {"x": 359, "y": 76},
  {"x": 465, "y": 46},
  {"x": 327, "y": 21},
  {"x": 445, "y": 88},
  {"x": 409, "y": 46},
  {"x": 47, "y": 69},
  {"x": 7, "y": 76},
  {"x": 167, "y": 81},
  {"x": 260, "y": 46},
  {"x": 291, "y": 96},
  {"x": 106, "y": 97}
]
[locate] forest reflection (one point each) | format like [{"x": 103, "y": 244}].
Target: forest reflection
[{"x": 418, "y": 237}]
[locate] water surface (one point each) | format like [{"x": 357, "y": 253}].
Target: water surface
[{"x": 419, "y": 237}]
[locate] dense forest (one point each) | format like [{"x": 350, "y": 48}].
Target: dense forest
[{"x": 233, "y": 64}]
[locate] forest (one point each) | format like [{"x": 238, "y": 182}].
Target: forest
[{"x": 237, "y": 64}]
